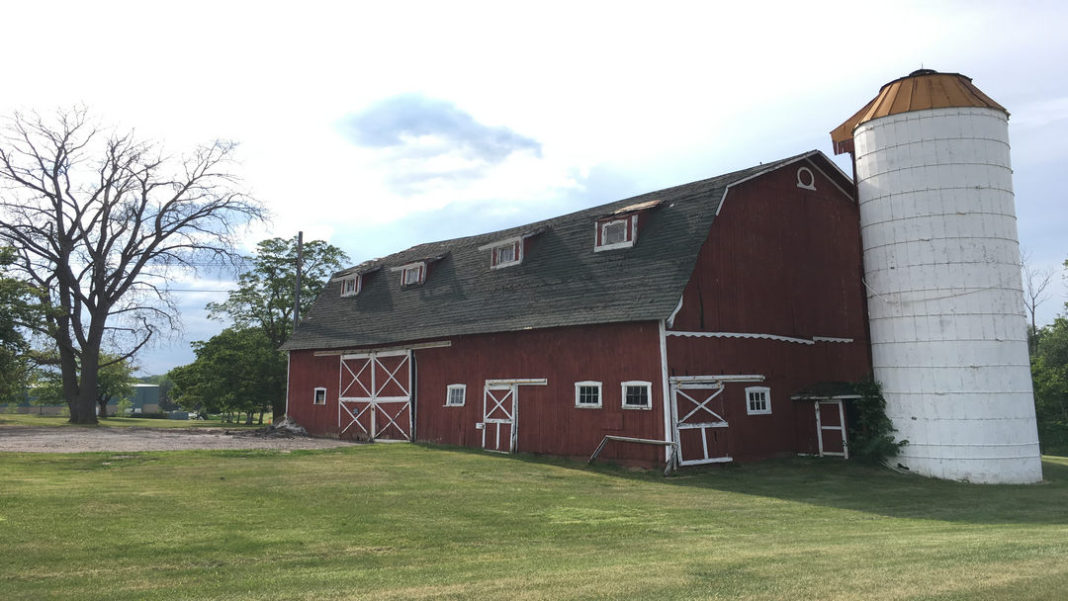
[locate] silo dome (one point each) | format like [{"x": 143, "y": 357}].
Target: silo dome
[{"x": 941, "y": 266}]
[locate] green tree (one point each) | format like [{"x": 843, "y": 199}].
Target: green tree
[
  {"x": 114, "y": 382},
  {"x": 99, "y": 223},
  {"x": 16, "y": 308},
  {"x": 264, "y": 295},
  {"x": 1049, "y": 370},
  {"x": 236, "y": 371},
  {"x": 185, "y": 393}
]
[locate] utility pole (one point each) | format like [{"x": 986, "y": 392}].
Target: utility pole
[{"x": 296, "y": 289}]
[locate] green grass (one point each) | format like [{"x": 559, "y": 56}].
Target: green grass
[
  {"x": 397, "y": 521},
  {"x": 26, "y": 419}
]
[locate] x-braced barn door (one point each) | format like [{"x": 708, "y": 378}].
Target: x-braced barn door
[
  {"x": 499, "y": 417},
  {"x": 701, "y": 431},
  {"x": 376, "y": 396}
]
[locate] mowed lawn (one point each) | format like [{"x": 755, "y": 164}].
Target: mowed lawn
[{"x": 399, "y": 521}]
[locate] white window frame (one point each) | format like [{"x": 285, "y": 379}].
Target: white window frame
[
  {"x": 749, "y": 410},
  {"x": 648, "y": 386},
  {"x": 356, "y": 282},
  {"x": 448, "y": 395},
  {"x": 630, "y": 224},
  {"x": 588, "y": 384},
  {"x": 315, "y": 395},
  {"x": 418, "y": 268},
  {"x": 516, "y": 246}
]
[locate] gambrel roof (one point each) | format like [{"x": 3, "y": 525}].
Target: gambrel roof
[{"x": 560, "y": 282}]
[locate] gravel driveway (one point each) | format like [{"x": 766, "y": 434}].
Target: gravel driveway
[{"x": 29, "y": 439}]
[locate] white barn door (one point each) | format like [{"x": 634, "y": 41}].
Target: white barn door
[
  {"x": 702, "y": 434},
  {"x": 499, "y": 417},
  {"x": 376, "y": 395}
]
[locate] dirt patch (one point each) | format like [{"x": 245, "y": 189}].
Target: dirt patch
[{"x": 29, "y": 439}]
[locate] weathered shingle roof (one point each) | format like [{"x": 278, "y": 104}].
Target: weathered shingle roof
[{"x": 561, "y": 281}]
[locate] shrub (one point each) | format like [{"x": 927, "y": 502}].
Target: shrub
[{"x": 871, "y": 435}]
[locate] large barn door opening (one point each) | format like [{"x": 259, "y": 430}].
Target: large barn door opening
[
  {"x": 499, "y": 417},
  {"x": 701, "y": 430},
  {"x": 376, "y": 396}
]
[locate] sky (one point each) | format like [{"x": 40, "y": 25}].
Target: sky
[{"x": 377, "y": 126}]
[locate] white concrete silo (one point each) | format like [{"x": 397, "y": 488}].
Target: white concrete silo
[{"x": 941, "y": 263}]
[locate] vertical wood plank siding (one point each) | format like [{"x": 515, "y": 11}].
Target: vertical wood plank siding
[
  {"x": 549, "y": 422},
  {"x": 786, "y": 261},
  {"x": 306, "y": 372}
]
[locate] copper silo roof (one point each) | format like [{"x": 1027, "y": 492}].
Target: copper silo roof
[{"x": 919, "y": 90}]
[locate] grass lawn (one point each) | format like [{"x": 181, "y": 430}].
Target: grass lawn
[
  {"x": 399, "y": 521},
  {"x": 26, "y": 419}
]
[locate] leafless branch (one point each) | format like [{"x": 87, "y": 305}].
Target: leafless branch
[{"x": 96, "y": 216}]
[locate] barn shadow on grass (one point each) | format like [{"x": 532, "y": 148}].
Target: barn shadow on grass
[
  {"x": 847, "y": 485},
  {"x": 880, "y": 491}
]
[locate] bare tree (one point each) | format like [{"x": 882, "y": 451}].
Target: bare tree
[
  {"x": 99, "y": 221},
  {"x": 1036, "y": 281}
]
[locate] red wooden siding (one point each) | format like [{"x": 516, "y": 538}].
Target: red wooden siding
[
  {"x": 780, "y": 259},
  {"x": 785, "y": 261},
  {"x": 787, "y": 368},
  {"x": 307, "y": 372},
  {"x": 548, "y": 421}
]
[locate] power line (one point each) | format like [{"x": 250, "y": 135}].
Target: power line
[{"x": 195, "y": 290}]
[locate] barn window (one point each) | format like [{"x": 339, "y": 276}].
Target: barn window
[
  {"x": 616, "y": 233},
  {"x": 588, "y": 395},
  {"x": 413, "y": 275},
  {"x": 508, "y": 254},
  {"x": 319, "y": 396},
  {"x": 637, "y": 395},
  {"x": 758, "y": 400},
  {"x": 456, "y": 395},
  {"x": 350, "y": 286}
]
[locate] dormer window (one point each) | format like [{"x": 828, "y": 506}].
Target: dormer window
[
  {"x": 616, "y": 232},
  {"x": 413, "y": 275},
  {"x": 350, "y": 285},
  {"x": 507, "y": 254},
  {"x": 510, "y": 251},
  {"x": 503, "y": 255}
]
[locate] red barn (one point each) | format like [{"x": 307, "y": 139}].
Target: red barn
[{"x": 696, "y": 316}]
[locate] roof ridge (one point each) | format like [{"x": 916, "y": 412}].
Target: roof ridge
[{"x": 450, "y": 242}]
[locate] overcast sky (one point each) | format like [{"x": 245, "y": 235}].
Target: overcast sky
[{"x": 376, "y": 126}]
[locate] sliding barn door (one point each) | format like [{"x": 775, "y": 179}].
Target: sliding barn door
[{"x": 376, "y": 396}]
